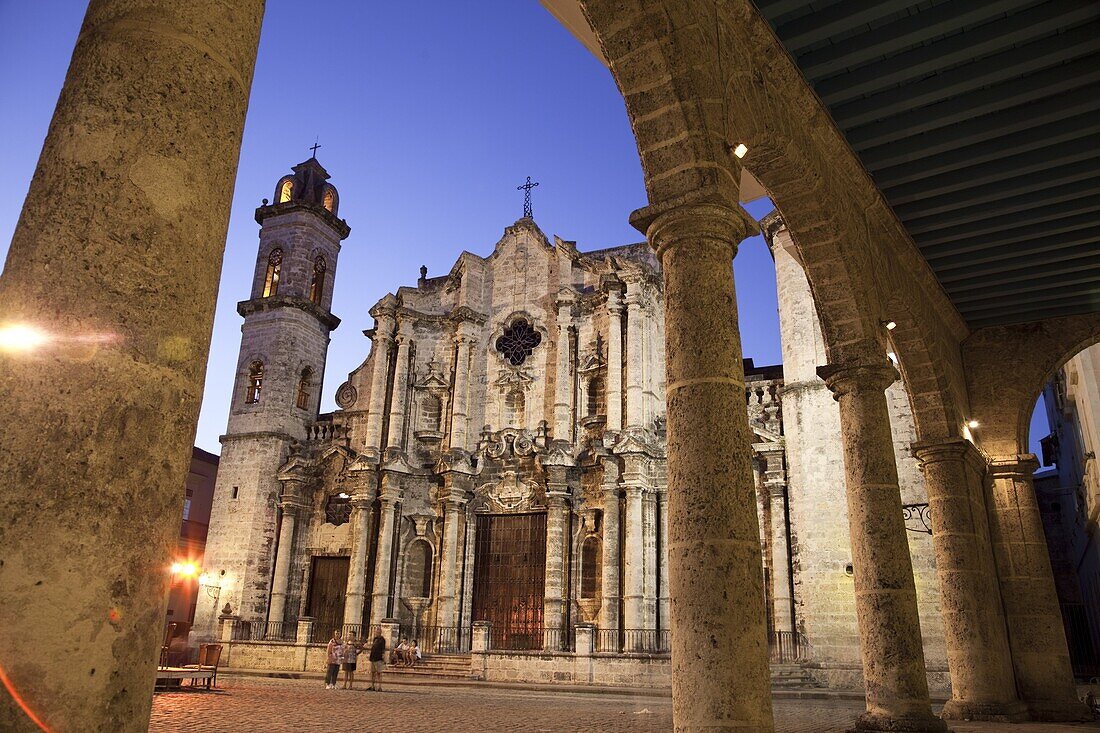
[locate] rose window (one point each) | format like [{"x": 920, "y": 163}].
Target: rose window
[{"x": 518, "y": 341}]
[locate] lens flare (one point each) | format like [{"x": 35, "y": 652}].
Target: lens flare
[{"x": 19, "y": 337}]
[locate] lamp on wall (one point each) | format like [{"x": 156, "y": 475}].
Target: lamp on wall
[
  {"x": 212, "y": 585},
  {"x": 890, "y": 325}
]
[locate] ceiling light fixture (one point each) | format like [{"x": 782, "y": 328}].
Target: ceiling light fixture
[{"x": 740, "y": 150}]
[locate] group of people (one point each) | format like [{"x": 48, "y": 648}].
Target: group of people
[
  {"x": 406, "y": 652},
  {"x": 345, "y": 653}
]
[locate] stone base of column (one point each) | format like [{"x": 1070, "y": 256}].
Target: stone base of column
[
  {"x": 1000, "y": 712},
  {"x": 898, "y": 724},
  {"x": 1059, "y": 711}
]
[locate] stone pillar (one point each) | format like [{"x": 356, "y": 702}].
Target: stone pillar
[
  {"x": 557, "y": 515},
  {"x": 585, "y": 645},
  {"x": 609, "y": 562},
  {"x": 662, "y": 561},
  {"x": 781, "y": 559},
  {"x": 460, "y": 410},
  {"x": 389, "y": 498},
  {"x": 649, "y": 559},
  {"x": 635, "y": 354},
  {"x": 227, "y": 626},
  {"x": 283, "y": 559},
  {"x": 979, "y": 661},
  {"x": 886, "y": 597},
  {"x": 614, "y": 382},
  {"x": 720, "y": 675},
  {"x": 1037, "y": 639},
  {"x": 481, "y": 636},
  {"x": 452, "y": 500},
  {"x": 633, "y": 561},
  {"x": 116, "y": 255},
  {"x": 396, "y": 438},
  {"x": 304, "y": 633},
  {"x": 361, "y": 501},
  {"x": 563, "y": 382},
  {"x": 380, "y": 374}
]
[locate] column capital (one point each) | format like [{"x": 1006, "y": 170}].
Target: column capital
[
  {"x": 1020, "y": 466},
  {"x": 687, "y": 222},
  {"x": 770, "y": 226},
  {"x": 954, "y": 448},
  {"x": 848, "y": 378}
]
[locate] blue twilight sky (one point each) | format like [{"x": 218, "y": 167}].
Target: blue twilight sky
[{"x": 429, "y": 115}]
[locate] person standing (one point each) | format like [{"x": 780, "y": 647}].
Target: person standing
[
  {"x": 377, "y": 662},
  {"x": 335, "y": 651},
  {"x": 351, "y": 652}
]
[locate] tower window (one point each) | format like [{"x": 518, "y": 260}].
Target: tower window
[
  {"x": 286, "y": 190},
  {"x": 595, "y": 396},
  {"x": 589, "y": 565},
  {"x": 274, "y": 272},
  {"x": 255, "y": 382},
  {"x": 317, "y": 284},
  {"x": 431, "y": 413},
  {"x": 329, "y": 200},
  {"x": 305, "y": 381}
]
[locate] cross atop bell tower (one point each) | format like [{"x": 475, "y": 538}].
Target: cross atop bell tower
[{"x": 526, "y": 188}]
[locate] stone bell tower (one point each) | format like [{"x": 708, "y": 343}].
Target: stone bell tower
[{"x": 276, "y": 391}]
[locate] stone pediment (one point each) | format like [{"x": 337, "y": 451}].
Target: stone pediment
[
  {"x": 397, "y": 462},
  {"x": 432, "y": 377},
  {"x": 297, "y": 468},
  {"x": 636, "y": 441},
  {"x": 764, "y": 435},
  {"x": 512, "y": 378}
]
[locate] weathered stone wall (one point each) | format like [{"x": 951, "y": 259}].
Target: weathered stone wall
[{"x": 625, "y": 670}]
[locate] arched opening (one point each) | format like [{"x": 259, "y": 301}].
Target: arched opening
[
  {"x": 590, "y": 561},
  {"x": 286, "y": 190},
  {"x": 305, "y": 385},
  {"x": 255, "y": 382},
  {"x": 418, "y": 570},
  {"x": 1064, "y": 434},
  {"x": 514, "y": 408},
  {"x": 274, "y": 272},
  {"x": 431, "y": 413},
  {"x": 317, "y": 282},
  {"x": 329, "y": 200},
  {"x": 596, "y": 398}
]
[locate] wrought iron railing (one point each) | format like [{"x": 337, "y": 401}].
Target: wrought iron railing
[
  {"x": 439, "y": 639},
  {"x": 636, "y": 641},
  {"x": 559, "y": 640},
  {"x": 275, "y": 631},
  {"x": 787, "y": 647},
  {"x": 521, "y": 637}
]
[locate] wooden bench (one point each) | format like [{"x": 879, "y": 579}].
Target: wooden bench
[{"x": 165, "y": 675}]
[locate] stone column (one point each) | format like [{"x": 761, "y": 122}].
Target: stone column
[
  {"x": 563, "y": 384},
  {"x": 979, "y": 661},
  {"x": 609, "y": 562},
  {"x": 781, "y": 559},
  {"x": 662, "y": 561},
  {"x": 720, "y": 676},
  {"x": 460, "y": 415},
  {"x": 1040, "y": 654},
  {"x": 614, "y": 381},
  {"x": 396, "y": 438},
  {"x": 452, "y": 500},
  {"x": 361, "y": 502},
  {"x": 283, "y": 559},
  {"x": 116, "y": 255},
  {"x": 380, "y": 374},
  {"x": 557, "y": 514},
  {"x": 635, "y": 354},
  {"x": 633, "y": 561},
  {"x": 886, "y": 597},
  {"x": 389, "y": 498}
]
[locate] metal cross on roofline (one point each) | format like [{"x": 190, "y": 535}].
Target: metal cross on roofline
[
  {"x": 314, "y": 148},
  {"x": 526, "y": 188}
]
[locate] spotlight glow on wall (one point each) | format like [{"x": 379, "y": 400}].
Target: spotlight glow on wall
[
  {"x": 972, "y": 424},
  {"x": 19, "y": 337}
]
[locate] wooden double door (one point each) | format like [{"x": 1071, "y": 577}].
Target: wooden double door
[
  {"x": 510, "y": 577},
  {"x": 328, "y": 584}
]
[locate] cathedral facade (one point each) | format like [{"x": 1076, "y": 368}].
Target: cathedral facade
[{"x": 499, "y": 456}]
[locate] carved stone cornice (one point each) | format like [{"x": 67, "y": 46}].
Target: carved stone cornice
[
  {"x": 337, "y": 224},
  {"x": 270, "y": 303}
]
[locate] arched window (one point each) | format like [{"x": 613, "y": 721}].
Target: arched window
[
  {"x": 255, "y": 382},
  {"x": 595, "y": 396},
  {"x": 590, "y": 552},
  {"x": 317, "y": 284},
  {"x": 431, "y": 413},
  {"x": 513, "y": 408},
  {"x": 305, "y": 382},
  {"x": 418, "y": 570},
  {"x": 274, "y": 272},
  {"x": 329, "y": 200},
  {"x": 286, "y": 190}
]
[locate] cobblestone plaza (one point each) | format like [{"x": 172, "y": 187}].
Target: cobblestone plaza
[{"x": 302, "y": 706}]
